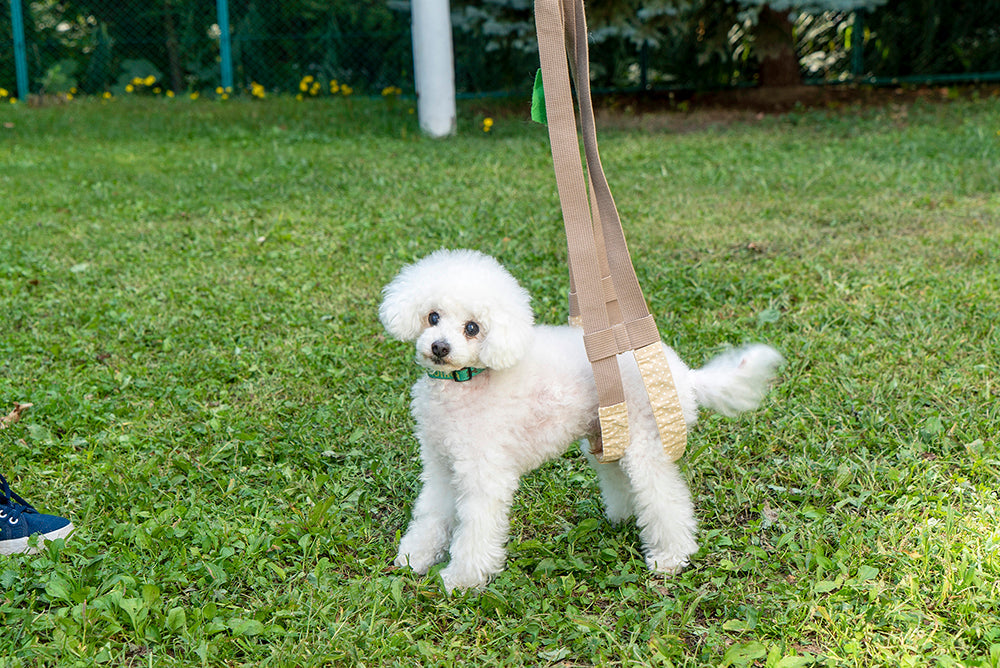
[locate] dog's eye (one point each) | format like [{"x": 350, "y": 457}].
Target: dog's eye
[
  {"x": 433, "y": 318},
  {"x": 471, "y": 329}
]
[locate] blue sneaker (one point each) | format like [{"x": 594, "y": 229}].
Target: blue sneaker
[{"x": 19, "y": 521}]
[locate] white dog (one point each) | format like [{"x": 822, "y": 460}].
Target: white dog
[{"x": 501, "y": 396}]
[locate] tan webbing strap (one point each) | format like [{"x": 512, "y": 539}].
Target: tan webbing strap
[
  {"x": 648, "y": 352},
  {"x": 573, "y": 198},
  {"x": 605, "y": 296}
]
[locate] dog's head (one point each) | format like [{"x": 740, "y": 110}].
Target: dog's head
[{"x": 462, "y": 309}]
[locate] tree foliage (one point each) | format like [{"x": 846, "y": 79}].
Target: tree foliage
[{"x": 922, "y": 37}]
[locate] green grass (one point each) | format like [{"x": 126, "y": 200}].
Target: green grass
[{"x": 188, "y": 297}]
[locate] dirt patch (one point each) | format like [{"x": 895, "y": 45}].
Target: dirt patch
[{"x": 683, "y": 111}]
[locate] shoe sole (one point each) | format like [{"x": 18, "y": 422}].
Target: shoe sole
[{"x": 20, "y": 545}]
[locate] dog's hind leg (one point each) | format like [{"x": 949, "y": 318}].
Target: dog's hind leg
[
  {"x": 616, "y": 490},
  {"x": 425, "y": 542},
  {"x": 663, "y": 507}
]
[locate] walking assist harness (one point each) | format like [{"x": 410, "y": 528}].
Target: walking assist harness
[{"x": 605, "y": 297}]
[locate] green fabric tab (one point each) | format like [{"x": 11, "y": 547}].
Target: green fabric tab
[{"x": 538, "y": 100}]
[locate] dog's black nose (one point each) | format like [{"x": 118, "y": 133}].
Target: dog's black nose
[{"x": 440, "y": 349}]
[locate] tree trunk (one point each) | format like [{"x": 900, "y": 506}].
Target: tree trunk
[
  {"x": 775, "y": 42},
  {"x": 173, "y": 49}
]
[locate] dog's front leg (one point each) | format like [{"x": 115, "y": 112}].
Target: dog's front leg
[
  {"x": 426, "y": 540},
  {"x": 485, "y": 495}
]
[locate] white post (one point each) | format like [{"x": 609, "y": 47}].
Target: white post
[{"x": 434, "y": 67}]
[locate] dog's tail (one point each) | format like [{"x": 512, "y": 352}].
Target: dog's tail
[{"x": 736, "y": 380}]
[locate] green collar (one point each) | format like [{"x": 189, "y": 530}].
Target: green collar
[{"x": 459, "y": 376}]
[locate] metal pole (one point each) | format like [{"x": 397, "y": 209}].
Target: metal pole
[
  {"x": 225, "y": 47},
  {"x": 20, "y": 50},
  {"x": 434, "y": 67}
]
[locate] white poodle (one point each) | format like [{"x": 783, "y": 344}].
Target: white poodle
[{"x": 501, "y": 396}]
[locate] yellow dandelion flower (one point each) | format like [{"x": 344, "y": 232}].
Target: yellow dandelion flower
[
  {"x": 487, "y": 124},
  {"x": 107, "y": 95},
  {"x": 225, "y": 96},
  {"x": 129, "y": 88},
  {"x": 73, "y": 90},
  {"x": 194, "y": 95},
  {"x": 346, "y": 90},
  {"x": 219, "y": 90},
  {"x": 69, "y": 96},
  {"x": 136, "y": 81},
  {"x": 4, "y": 92},
  {"x": 150, "y": 80},
  {"x": 13, "y": 100},
  {"x": 157, "y": 90},
  {"x": 229, "y": 89},
  {"x": 299, "y": 97},
  {"x": 303, "y": 85},
  {"x": 170, "y": 93},
  {"x": 308, "y": 78},
  {"x": 314, "y": 89}
]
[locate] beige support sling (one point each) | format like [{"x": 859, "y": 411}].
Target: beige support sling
[{"x": 605, "y": 296}]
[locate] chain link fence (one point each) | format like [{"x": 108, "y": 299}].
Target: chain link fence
[
  {"x": 194, "y": 46},
  {"x": 336, "y": 47}
]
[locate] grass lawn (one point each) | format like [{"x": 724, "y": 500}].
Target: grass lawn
[{"x": 188, "y": 296}]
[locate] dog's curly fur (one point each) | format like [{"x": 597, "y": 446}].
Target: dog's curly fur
[{"x": 536, "y": 396}]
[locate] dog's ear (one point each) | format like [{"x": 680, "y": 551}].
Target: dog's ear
[
  {"x": 398, "y": 311},
  {"x": 507, "y": 340}
]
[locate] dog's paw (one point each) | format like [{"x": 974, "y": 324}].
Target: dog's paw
[
  {"x": 419, "y": 562},
  {"x": 618, "y": 514},
  {"x": 669, "y": 563},
  {"x": 455, "y": 579}
]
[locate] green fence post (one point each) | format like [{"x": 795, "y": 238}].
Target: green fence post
[
  {"x": 858, "y": 45},
  {"x": 225, "y": 48},
  {"x": 644, "y": 65},
  {"x": 20, "y": 52}
]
